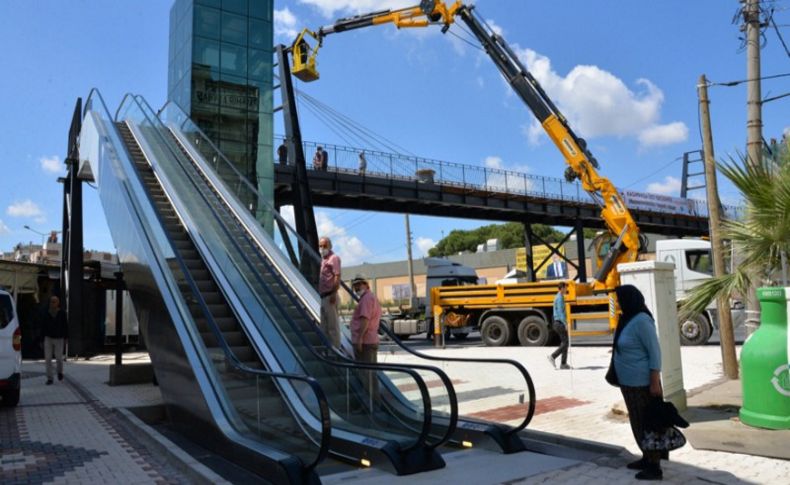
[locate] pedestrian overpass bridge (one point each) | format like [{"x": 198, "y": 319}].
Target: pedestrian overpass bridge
[{"x": 407, "y": 184}]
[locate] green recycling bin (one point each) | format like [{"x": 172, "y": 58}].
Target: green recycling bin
[{"x": 765, "y": 374}]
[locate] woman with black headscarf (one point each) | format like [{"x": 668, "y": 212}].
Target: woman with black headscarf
[{"x": 637, "y": 362}]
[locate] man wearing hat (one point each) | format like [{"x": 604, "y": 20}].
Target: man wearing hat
[{"x": 365, "y": 327}]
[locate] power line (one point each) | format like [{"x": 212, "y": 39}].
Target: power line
[
  {"x": 653, "y": 173},
  {"x": 735, "y": 83},
  {"x": 779, "y": 34}
]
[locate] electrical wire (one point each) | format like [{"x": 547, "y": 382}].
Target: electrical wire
[
  {"x": 779, "y": 34},
  {"x": 661, "y": 169},
  {"x": 735, "y": 83}
]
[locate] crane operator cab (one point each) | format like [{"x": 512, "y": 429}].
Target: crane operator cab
[{"x": 304, "y": 65}]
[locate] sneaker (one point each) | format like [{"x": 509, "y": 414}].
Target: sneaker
[
  {"x": 551, "y": 360},
  {"x": 60, "y": 376},
  {"x": 639, "y": 464},
  {"x": 651, "y": 473},
  {"x": 49, "y": 382},
  {"x": 565, "y": 367}
]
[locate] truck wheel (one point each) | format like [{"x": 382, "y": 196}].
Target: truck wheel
[
  {"x": 495, "y": 331},
  {"x": 695, "y": 330},
  {"x": 533, "y": 331},
  {"x": 11, "y": 398}
]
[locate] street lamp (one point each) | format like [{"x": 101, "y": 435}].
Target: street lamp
[{"x": 42, "y": 234}]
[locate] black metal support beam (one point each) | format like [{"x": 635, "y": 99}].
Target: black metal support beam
[
  {"x": 300, "y": 186},
  {"x": 119, "y": 319},
  {"x": 530, "y": 258},
  {"x": 74, "y": 261},
  {"x": 582, "y": 257}
]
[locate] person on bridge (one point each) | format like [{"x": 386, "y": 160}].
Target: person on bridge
[
  {"x": 328, "y": 283},
  {"x": 282, "y": 154},
  {"x": 561, "y": 327},
  {"x": 365, "y": 329},
  {"x": 318, "y": 159},
  {"x": 363, "y": 163}
]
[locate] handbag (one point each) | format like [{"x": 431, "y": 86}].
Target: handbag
[
  {"x": 611, "y": 374},
  {"x": 669, "y": 439}
]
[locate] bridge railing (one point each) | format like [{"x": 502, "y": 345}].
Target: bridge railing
[{"x": 485, "y": 179}]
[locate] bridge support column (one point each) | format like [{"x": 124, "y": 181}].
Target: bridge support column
[
  {"x": 582, "y": 257},
  {"x": 528, "y": 246}
]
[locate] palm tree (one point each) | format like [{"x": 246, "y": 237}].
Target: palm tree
[{"x": 761, "y": 235}]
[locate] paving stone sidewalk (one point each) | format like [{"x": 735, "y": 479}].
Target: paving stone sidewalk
[{"x": 63, "y": 434}]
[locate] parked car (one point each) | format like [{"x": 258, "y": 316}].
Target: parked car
[{"x": 10, "y": 351}]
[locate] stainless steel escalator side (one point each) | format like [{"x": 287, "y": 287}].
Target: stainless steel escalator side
[
  {"x": 184, "y": 373},
  {"x": 410, "y": 458}
]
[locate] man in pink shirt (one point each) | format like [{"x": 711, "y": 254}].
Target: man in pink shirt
[
  {"x": 328, "y": 283},
  {"x": 365, "y": 329}
]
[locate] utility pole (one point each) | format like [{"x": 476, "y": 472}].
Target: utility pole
[
  {"x": 412, "y": 286},
  {"x": 754, "y": 125},
  {"x": 727, "y": 341}
]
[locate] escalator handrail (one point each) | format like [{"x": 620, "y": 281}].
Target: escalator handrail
[
  {"x": 316, "y": 257},
  {"x": 323, "y": 448},
  {"x": 423, "y": 388},
  {"x": 446, "y": 381}
]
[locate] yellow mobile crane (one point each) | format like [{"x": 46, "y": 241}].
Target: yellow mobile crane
[{"x": 488, "y": 303}]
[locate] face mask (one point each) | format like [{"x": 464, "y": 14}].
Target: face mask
[{"x": 323, "y": 251}]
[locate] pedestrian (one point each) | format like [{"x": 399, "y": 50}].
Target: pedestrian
[
  {"x": 557, "y": 270},
  {"x": 560, "y": 326},
  {"x": 636, "y": 357},
  {"x": 365, "y": 329},
  {"x": 363, "y": 163},
  {"x": 318, "y": 159},
  {"x": 324, "y": 160},
  {"x": 282, "y": 154},
  {"x": 328, "y": 283},
  {"x": 56, "y": 333}
]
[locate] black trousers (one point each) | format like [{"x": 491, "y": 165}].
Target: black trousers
[
  {"x": 562, "y": 331},
  {"x": 636, "y": 401}
]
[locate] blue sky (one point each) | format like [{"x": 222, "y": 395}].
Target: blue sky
[{"x": 624, "y": 73}]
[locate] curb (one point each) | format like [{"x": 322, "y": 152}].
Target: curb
[
  {"x": 178, "y": 458},
  {"x": 594, "y": 447}
]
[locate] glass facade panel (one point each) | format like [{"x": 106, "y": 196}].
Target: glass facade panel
[
  {"x": 233, "y": 60},
  {"x": 207, "y": 22},
  {"x": 220, "y": 72},
  {"x": 234, "y": 28},
  {"x": 237, "y": 6}
]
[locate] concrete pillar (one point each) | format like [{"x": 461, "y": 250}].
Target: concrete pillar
[{"x": 656, "y": 281}]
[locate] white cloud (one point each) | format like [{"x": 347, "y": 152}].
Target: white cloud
[
  {"x": 493, "y": 162},
  {"x": 4, "y": 229},
  {"x": 350, "y": 248},
  {"x": 51, "y": 164},
  {"x": 26, "y": 208},
  {"x": 330, "y": 8},
  {"x": 285, "y": 24},
  {"x": 660, "y": 135},
  {"x": 598, "y": 103},
  {"x": 496, "y": 28},
  {"x": 534, "y": 132},
  {"x": 670, "y": 186},
  {"x": 424, "y": 244}
]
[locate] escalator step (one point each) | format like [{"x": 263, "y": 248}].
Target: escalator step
[{"x": 233, "y": 338}]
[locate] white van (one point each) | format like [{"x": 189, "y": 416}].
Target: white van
[{"x": 10, "y": 351}]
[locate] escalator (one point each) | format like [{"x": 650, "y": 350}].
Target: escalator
[
  {"x": 239, "y": 293},
  {"x": 228, "y": 186}
]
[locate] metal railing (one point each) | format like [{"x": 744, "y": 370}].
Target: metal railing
[{"x": 398, "y": 166}]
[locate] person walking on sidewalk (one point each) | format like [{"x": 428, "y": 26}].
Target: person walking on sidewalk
[
  {"x": 637, "y": 363},
  {"x": 328, "y": 283},
  {"x": 56, "y": 332},
  {"x": 561, "y": 327}
]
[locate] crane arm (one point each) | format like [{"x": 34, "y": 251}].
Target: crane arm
[{"x": 582, "y": 164}]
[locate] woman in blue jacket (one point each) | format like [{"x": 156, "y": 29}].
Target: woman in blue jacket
[{"x": 637, "y": 362}]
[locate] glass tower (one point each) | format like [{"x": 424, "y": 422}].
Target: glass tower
[{"x": 220, "y": 72}]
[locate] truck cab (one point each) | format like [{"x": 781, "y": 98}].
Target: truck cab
[{"x": 693, "y": 265}]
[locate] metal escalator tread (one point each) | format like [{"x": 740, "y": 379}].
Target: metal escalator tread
[{"x": 278, "y": 419}]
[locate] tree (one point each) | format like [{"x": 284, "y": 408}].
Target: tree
[
  {"x": 761, "y": 236},
  {"x": 510, "y": 235}
]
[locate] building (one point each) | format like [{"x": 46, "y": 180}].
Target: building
[{"x": 220, "y": 72}]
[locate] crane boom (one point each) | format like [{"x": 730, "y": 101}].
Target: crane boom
[{"x": 582, "y": 164}]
